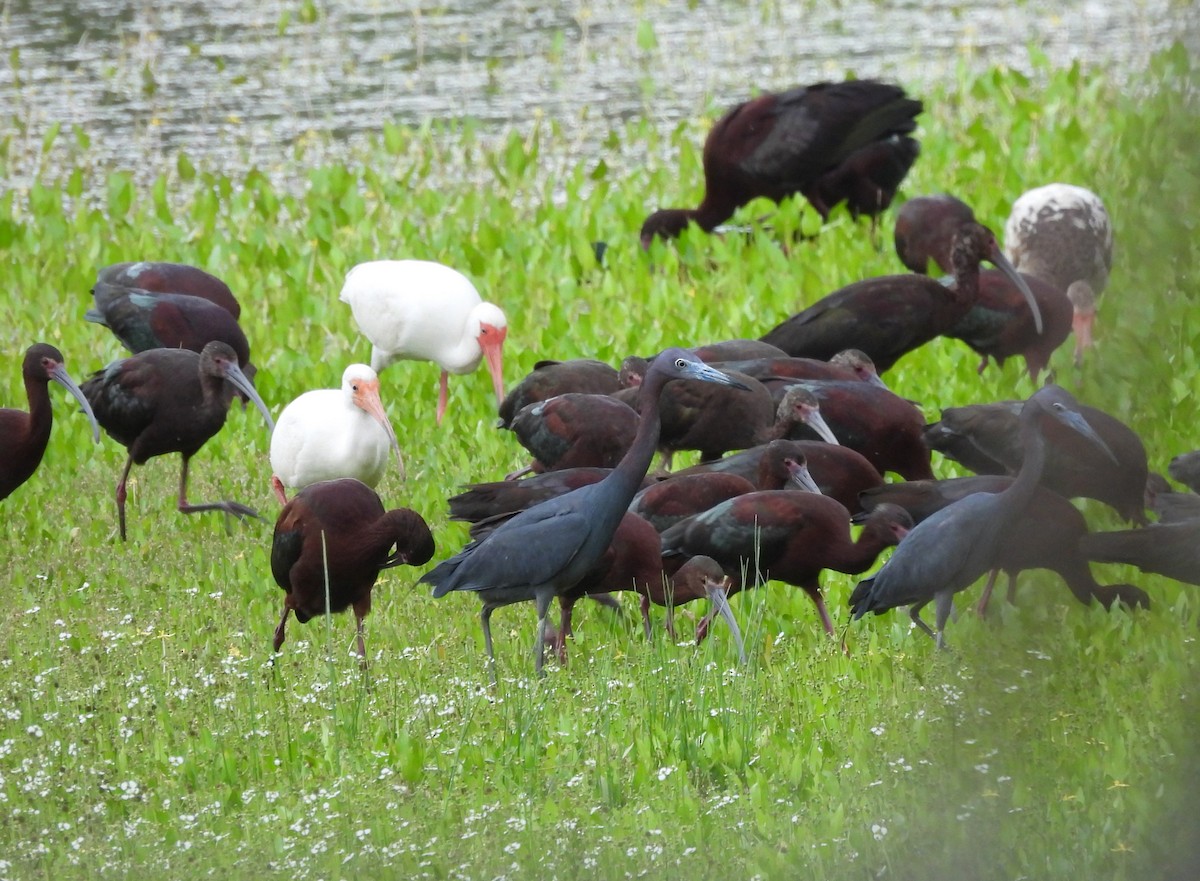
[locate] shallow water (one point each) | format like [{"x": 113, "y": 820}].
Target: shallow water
[{"x": 235, "y": 83}]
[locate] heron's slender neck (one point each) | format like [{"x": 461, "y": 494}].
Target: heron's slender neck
[
  {"x": 1018, "y": 496},
  {"x": 632, "y": 468}
]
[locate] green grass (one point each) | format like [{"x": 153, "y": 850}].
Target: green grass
[{"x": 142, "y": 729}]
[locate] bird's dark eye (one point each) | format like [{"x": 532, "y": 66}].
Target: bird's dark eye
[
  {"x": 354, "y": 386},
  {"x": 680, "y": 363}
]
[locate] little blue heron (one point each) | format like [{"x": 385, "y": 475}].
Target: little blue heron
[
  {"x": 949, "y": 550},
  {"x": 547, "y": 549}
]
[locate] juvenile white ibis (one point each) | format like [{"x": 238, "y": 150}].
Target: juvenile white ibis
[
  {"x": 1061, "y": 233},
  {"x": 23, "y": 436},
  {"x": 424, "y": 311},
  {"x": 331, "y": 433}
]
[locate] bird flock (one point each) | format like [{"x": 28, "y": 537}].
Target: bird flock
[{"x": 797, "y": 430}]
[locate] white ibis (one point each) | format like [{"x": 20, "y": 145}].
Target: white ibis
[
  {"x": 328, "y": 434},
  {"x": 424, "y": 311},
  {"x": 1061, "y": 234}
]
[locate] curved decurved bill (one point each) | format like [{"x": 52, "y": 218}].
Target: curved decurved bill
[
  {"x": 1082, "y": 323},
  {"x": 716, "y": 596},
  {"x": 702, "y": 371},
  {"x": 799, "y": 477},
  {"x": 1001, "y": 262},
  {"x": 59, "y": 374},
  {"x": 492, "y": 344},
  {"x": 1076, "y": 421},
  {"x": 814, "y": 420},
  {"x": 234, "y": 375},
  {"x": 367, "y": 398}
]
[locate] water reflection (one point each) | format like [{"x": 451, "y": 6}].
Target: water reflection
[{"x": 235, "y": 82}]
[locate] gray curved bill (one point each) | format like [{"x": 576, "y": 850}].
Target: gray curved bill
[
  {"x": 1077, "y": 422},
  {"x": 716, "y": 595},
  {"x": 234, "y": 374},
  {"x": 60, "y": 375},
  {"x": 698, "y": 370},
  {"x": 817, "y": 423},
  {"x": 1001, "y": 262},
  {"x": 801, "y": 478}
]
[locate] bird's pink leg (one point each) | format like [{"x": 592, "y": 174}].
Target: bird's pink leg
[
  {"x": 360, "y": 612},
  {"x": 645, "y": 604},
  {"x": 819, "y": 601},
  {"x": 1012, "y": 589},
  {"x": 702, "y": 628},
  {"x": 277, "y": 485},
  {"x": 121, "y": 495},
  {"x": 566, "y": 608},
  {"x": 981, "y": 607},
  {"x": 443, "y": 395}
]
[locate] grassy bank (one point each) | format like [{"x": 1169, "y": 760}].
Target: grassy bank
[{"x": 141, "y": 727}]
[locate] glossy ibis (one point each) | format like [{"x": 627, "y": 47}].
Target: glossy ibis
[
  {"x": 570, "y": 532},
  {"x": 1000, "y": 324},
  {"x": 925, "y": 228},
  {"x": 169, "y": 401},
  {"x": 23, "y": 436},
  {"x": 839, "y": 472},
  {"x": 1046, "y": 536},
  {"x": 551, "y": 378},
  {"x": 424, "y": 311},
  {"x": 850, "y": 365},
  {"x": 806, "y": 141},
  {"x": 891, "y": 315},
  {"x": 332, "y": 540},
  {"x": 1061, "y": 233},
  {"x": 986, "y": 439},
  {"x": 786, "y": 536},
  {"x": 330, "y": 433},
  {"x": 171, "y": 278},
  {"x": 665, "y": 503},
  {"x": 142, "y": 320},
  {"x": 482, "y": 501},
  {"x": 634, "y": 562},
  {"x": 575, "y": 430},
  {"x": 885, "y": 428},
  {"x": 951, "y": 548}
]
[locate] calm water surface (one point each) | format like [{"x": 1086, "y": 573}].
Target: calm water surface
[{"x": 237, "y": 82}]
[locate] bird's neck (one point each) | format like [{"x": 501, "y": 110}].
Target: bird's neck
[
  {"x": 40, "y": 411},
  {"x": 852, "y": 558},
  {"x": 1018, "y": 496},
  {"x": 632, "y": 468}
]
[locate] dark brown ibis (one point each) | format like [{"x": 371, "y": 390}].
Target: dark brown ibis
[
  {"x": 575, "y": 430},
  {"x": 547, "y": 549},
  {"x": 891, "y": 315},
  {"x": 171, "y": 278},
  {"x": 666, "y": 502},
  {"x": 925, "y": 228},
  {"x": 851, "y": 365},
  {"x": 953, "y": 547},
  {"x": 786, "y": 536},
  {"x": 1046, "y": 536},
  {"x": 1000, "y": 325},
  {"x": 634, "y": 562},
  {"x": 1170, "y": 549},
  {"x": 827, "y": 141},
  {"x": 551, "y": 378},
  {"x": 839, "y": 472},
  {"x": 332, "y": 540},
  {"x": 483, "y": 501},
  {"x": 986, "y": 439},
  {"x": 1061, "y": 233},
  {"x": 1167, "y": 504},
  {"x": 170, "y": 401},
  {"x": 1186, "y": 469},
  {"x": 885, "y": 428},
  {"x": 24, "y": 435},
  {"x": 142, "y": 320},
  {"x": 694, "y": 417},
  {"x": 732, "y": 350}
]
